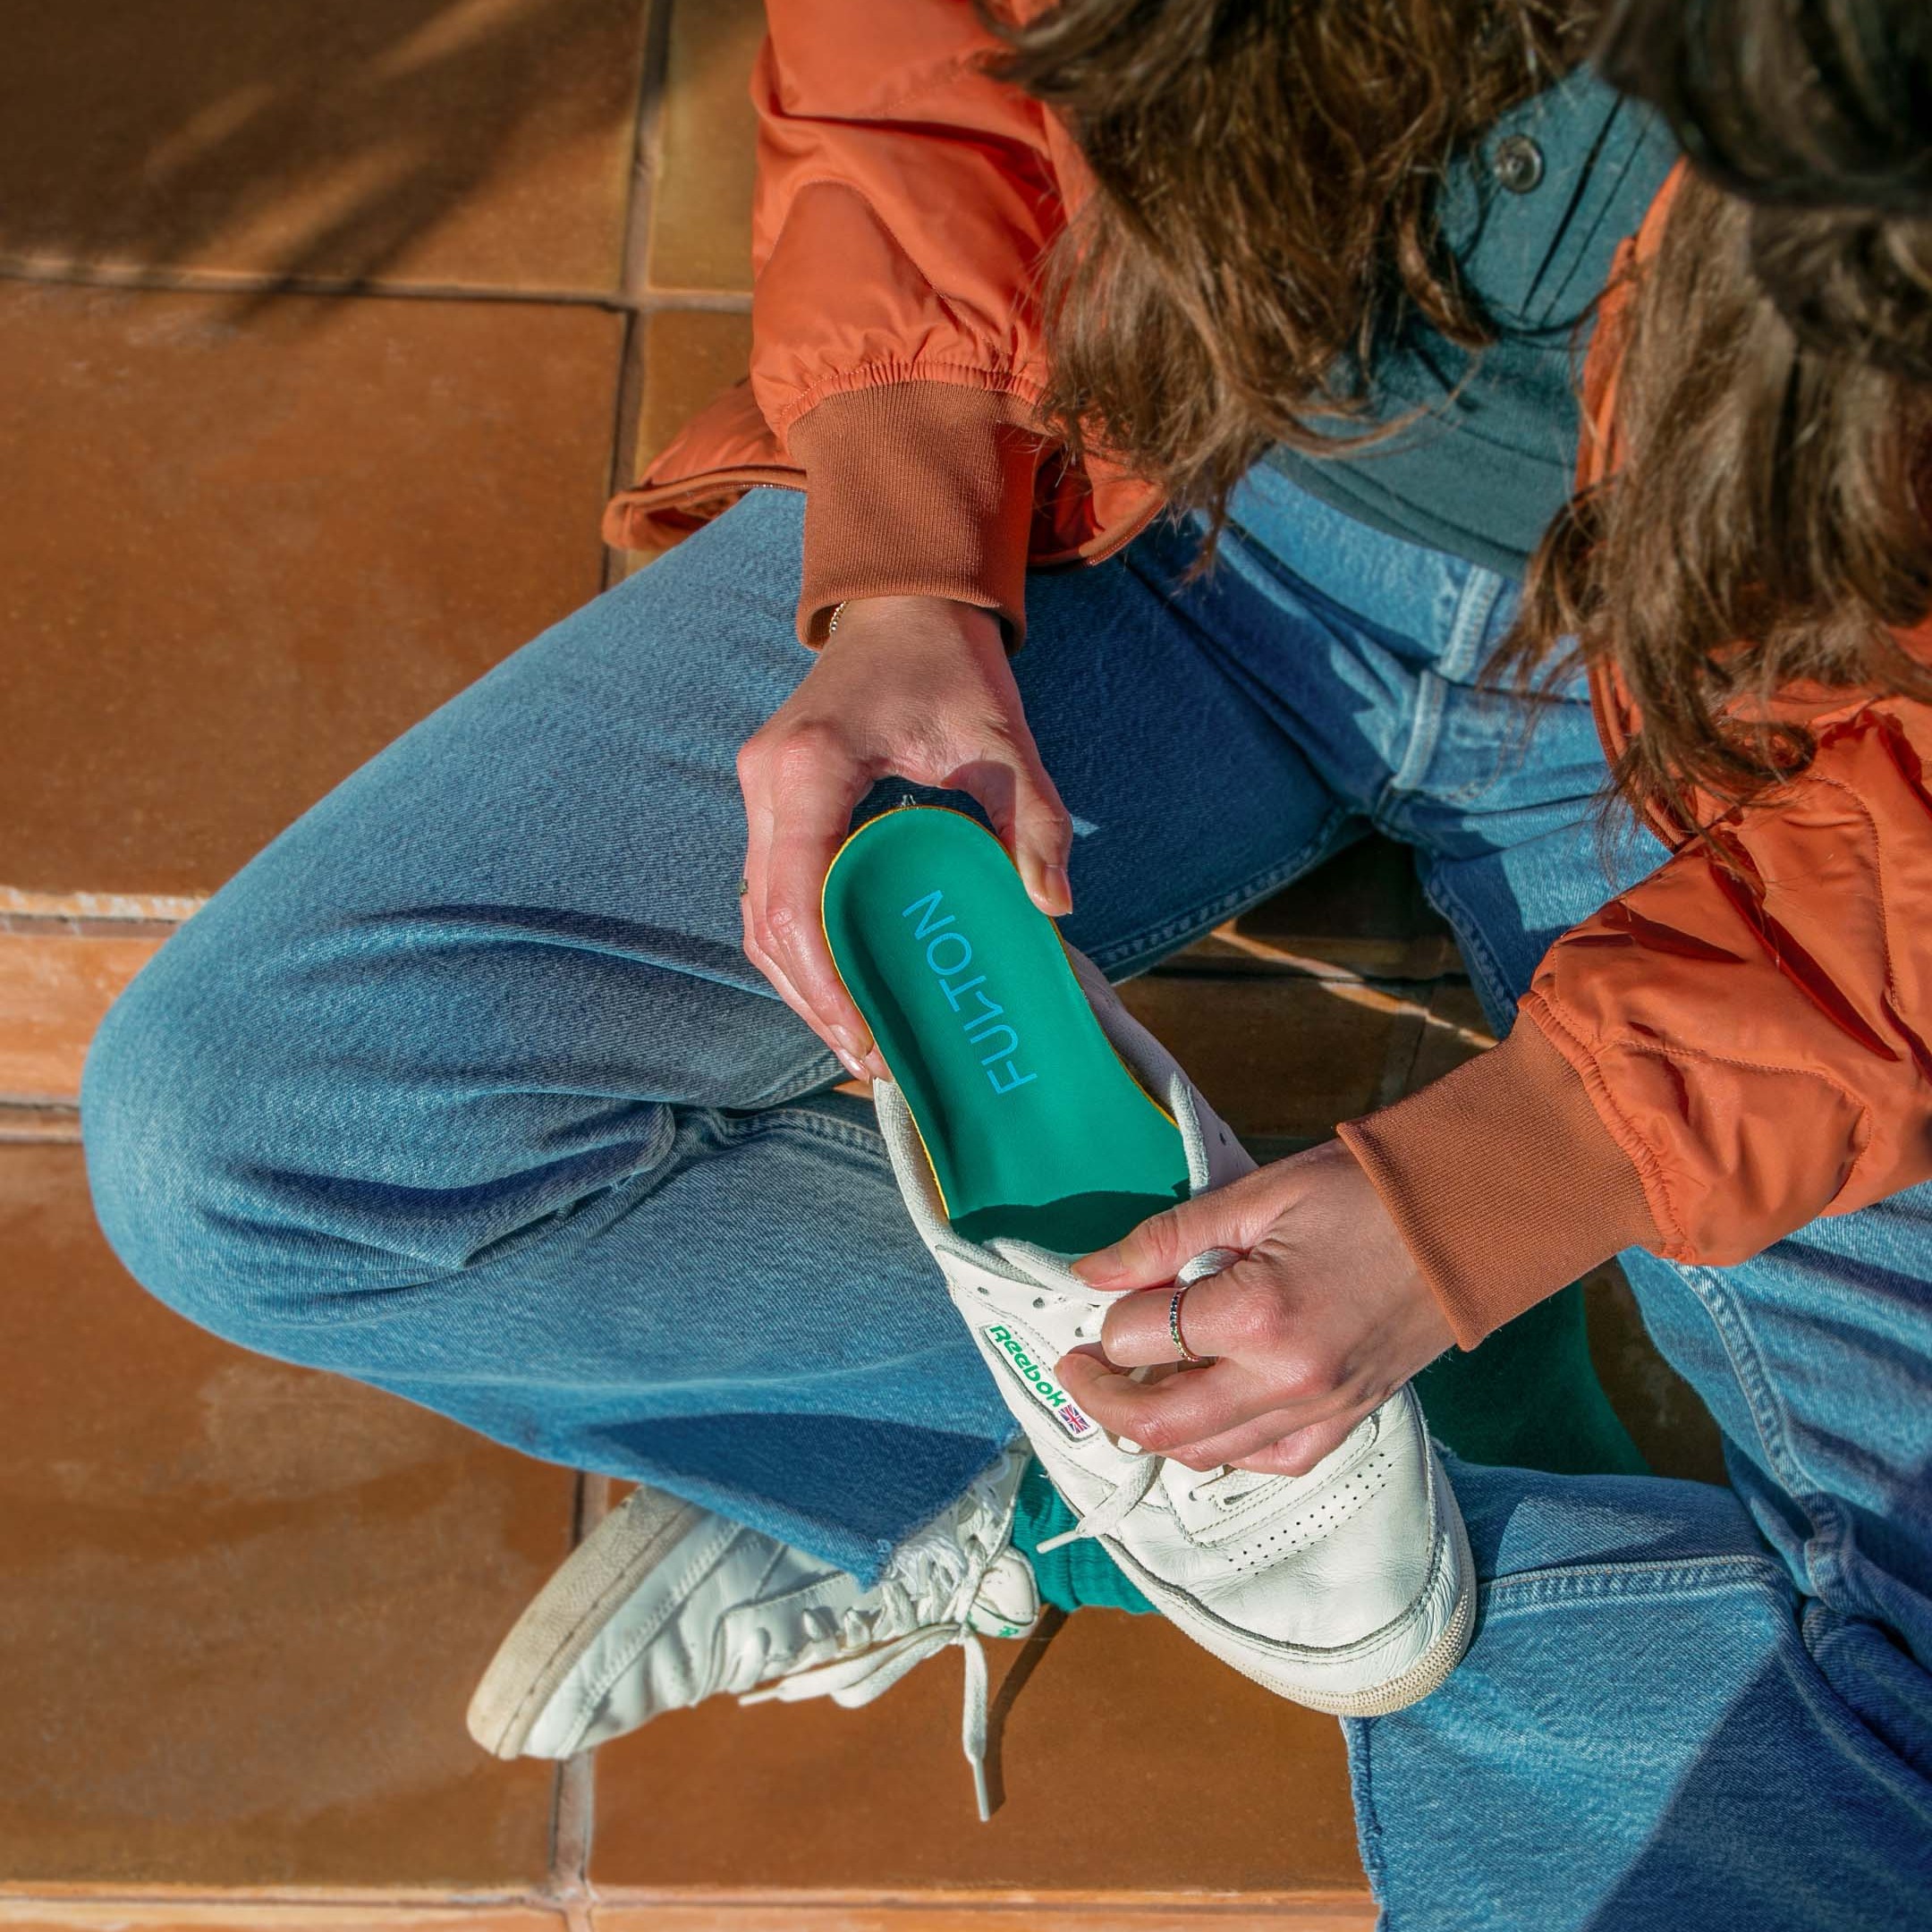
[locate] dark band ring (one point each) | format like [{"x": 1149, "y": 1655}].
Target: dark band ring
[{"x": 1173, "y": 1325}]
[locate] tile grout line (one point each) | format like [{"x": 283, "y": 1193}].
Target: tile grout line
[
  {"x": 573, "y": 1803},
  {"x": 433, "y": 1898},
  {"x": 38, "y": 1122},
  {"x": 138, "y": 280},
  {"x": 1406, "y": 1034},
  {"x": 716, "y": 1908},
  {"x": 573, "y": 1789},
  {"x": 633, "y": 274},
  {"x": 624, "y": 405}
]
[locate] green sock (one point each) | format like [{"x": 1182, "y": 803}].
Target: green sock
[
  {"x": 1529, "y": 1398},
  {"x": 1077, "y": 1576}
]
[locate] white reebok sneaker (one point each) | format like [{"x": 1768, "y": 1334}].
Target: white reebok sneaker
[
  {"x": 1350, "y": 1589},
  {"x": 664, "y": 1605}
]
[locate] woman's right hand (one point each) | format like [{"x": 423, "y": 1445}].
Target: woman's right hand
[{"x": 909, "y": 687}]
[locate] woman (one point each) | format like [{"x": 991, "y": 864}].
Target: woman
[{"x": 464, "y": 1088}]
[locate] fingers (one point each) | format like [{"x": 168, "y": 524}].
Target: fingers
[
  {"x": 1020, "y": 800},
  {"x": 1204, "y": 1418},
  {"x": 1232, "y": 1216},
  {"x": 1298, "y": 1453},
  {"x": 790, "y": 995},
  {"x": 803, "y": 840},
  {"x": 917, "y": 687},
  {"x": 1139, "y": 1331},
  {"x": 1243, "y": 1311},
  {"x": 1039, "y": 831},
  {"x": 787, "y": 853},
  {"x": 1162, "y": 1416},
  {"x": 1285, "y": 1442}
]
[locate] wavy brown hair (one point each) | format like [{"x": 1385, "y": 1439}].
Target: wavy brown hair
[
  {"x": 1768, "y": 524},
  {"x": 1264, "y": 181},
  {"x": 1265, "y": 172}
]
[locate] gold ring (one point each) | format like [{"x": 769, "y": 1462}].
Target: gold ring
[{"x": 1173, "y": 1325}]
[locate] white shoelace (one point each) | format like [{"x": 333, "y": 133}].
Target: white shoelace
[
  {"x": 1128, "y": 1497},
  {"x": 854, "y": 1681},
  {"x": 926, "y": 1597},
  {"x": 1111, "y": 1513}
]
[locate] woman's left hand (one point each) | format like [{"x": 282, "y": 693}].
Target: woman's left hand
[{"x": 1322, "y": 1319}]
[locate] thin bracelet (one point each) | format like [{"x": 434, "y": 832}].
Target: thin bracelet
[{"x": 831, "y": 629}]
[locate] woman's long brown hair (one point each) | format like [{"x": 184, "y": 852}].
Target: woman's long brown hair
[
  {"x": 1264, "y": 179},
  {"x": 1265, "y": 176},
  {"x": 1767, "y": 525}
]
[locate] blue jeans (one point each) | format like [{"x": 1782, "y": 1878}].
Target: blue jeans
[{"x": 464, "y": 1088}]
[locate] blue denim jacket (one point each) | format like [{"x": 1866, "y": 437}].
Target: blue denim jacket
[{"x": 1533, "y": 215}]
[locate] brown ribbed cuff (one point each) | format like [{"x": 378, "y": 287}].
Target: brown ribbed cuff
[
  {"x": 915, "y": 490},
  {"x": 1503, "y": 1182}
]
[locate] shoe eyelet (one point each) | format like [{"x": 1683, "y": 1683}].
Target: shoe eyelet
[{"x": 1040, "y": 1300}]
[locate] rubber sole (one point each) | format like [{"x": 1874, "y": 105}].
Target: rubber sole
[
  {"x": 1034, "y": 1126},
  {"x": 1427, "y": 1673},
  {"x": 1433, "y": 1668},
  {"x": 566, "y": 1616}
]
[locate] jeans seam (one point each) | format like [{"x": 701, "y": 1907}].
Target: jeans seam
[
  {"x": 1769, "y": 1418},
  {"x": 1476, "y": 948},
  {"x": 1431, "y": 702},
  {"x": 1456, "y": 661},
  {"x": 1605, "y": 1582},
  {"x": 737, "y": 1128},
  {"x": 1359, "y": 1733},
  {"x": 1204, "y": 918}
]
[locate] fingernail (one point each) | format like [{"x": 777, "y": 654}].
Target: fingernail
[
  {"x": 1096, "y": 1267},
  {"x": 1057, "y": 891},
  {"x": 852, "y": 1049}
]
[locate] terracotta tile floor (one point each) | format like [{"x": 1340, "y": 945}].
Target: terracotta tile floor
[
  {"x": 326, "y": 340},
  {"x": 324, "y": 517},
  {"x": 241, "y": 1602},
  {"x": 473, "y": 143}
]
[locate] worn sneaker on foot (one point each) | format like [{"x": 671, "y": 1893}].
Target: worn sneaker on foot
[
  {"x": 664, "y": 1605},
  {"x": 1351, "y": 1589}
]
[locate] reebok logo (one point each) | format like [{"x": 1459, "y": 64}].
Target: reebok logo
[{"x": 1043, "y": 1390}]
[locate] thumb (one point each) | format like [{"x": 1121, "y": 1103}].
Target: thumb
[
  {"x": 1232, "y": 1217},
  {"x": 1039, "y": 833}
]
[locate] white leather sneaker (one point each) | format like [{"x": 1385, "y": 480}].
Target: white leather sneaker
[
  {"x": 664, "y": 1605},
  {"x": 1350, "y": 1589}
]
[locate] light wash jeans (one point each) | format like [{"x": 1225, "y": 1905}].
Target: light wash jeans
[{"x": 464, "y": 1088}]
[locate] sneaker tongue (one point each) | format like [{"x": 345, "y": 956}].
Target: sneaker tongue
[{"x": 1007, "y": 1602}]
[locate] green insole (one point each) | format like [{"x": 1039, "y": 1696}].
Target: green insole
[{"x": 1034, "y": 1126}]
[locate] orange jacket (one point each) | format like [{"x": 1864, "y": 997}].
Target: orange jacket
[{"x": 1707, "y": 1062}]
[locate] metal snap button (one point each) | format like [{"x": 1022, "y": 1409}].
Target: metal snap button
[{"x": 1517, "y": 164}]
